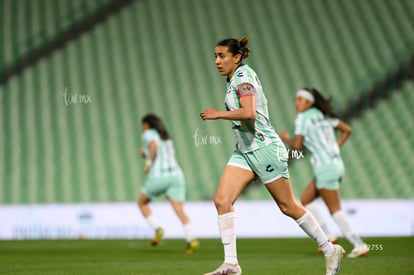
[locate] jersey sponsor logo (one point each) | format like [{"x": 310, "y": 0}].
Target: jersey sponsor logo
[
  {"x": 240, "y": 74},
  {"x": 235, "y": 126},
  {"x": 245, "y": 89},
  {"x": 269, "y": 168},
  {"x": 261, "y": 136},
  {"x": 229, "y": 87}
]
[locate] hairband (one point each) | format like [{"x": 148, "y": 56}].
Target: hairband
[{"x": 306, "y": 94}]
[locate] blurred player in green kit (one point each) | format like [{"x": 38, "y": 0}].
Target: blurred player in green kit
[
  {"x": 314, "y": 129},
  {"x": 164, "y": 177}
]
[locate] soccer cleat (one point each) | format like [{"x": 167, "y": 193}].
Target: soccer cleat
[
  {"x": 332, "y": 238},
  {"x": 333, "y": 262},
  {"x": 159, "y": 232},
  {"x": 192, "y": 246},
  {"x": 359, "y": 251},
  {"x": 226, "y": 269}
]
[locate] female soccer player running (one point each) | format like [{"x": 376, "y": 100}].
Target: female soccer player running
[
  {"x": 314, "y": 128},
  {"x": 164, "y": 177},
  {"x": 256, "y": 155}
]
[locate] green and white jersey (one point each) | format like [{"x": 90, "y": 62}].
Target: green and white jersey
[
  {"x": 165, "y": 163},
  {"x": 319, "y": 136},
  {"x": 250, "y": 134}
]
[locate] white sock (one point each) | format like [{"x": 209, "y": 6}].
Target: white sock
[
  {"x": 346, "y": 228},
  {"x": 308, "y": 223},
  {"x": 152, "y": 221},
  {"x": 188, "y": 232},
  {"x": 314, "y": 209},
  {"x": 227, "y": 228}
]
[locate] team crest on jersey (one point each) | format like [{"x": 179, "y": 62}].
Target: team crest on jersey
[{"x": 245, "y": 89}]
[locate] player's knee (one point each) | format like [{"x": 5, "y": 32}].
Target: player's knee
[
  {"x": 141, "y": 203},
  {"x": 143, "y": 200},
  {"x": 287, "y": 208},
  {"x": 304, "y": 200},
  {"x": 221, "y": 203}
]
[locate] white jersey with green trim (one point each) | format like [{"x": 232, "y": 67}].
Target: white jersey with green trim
[
  {"x": 256, "y": 133},
  {"x": 165, "y": 163},
  {"x": 319, "y": 135}
]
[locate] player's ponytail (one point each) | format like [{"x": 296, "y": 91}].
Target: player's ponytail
[
  {"x": 322, "y": 103},
  {"x": 244, "y": 50},
  {"x": 154, "y": 122},
  {"x": 236, "y": 46}
]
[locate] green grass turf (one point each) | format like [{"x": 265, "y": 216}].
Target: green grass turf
[{"x": 256, "y": 256}]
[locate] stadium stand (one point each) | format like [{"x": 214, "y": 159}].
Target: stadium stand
[
  {"x": 71, "y": 121},
  {"x": 29, "y": 24}
]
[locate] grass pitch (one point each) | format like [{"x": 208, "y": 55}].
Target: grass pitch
[{"x": 256, "y": 256}]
